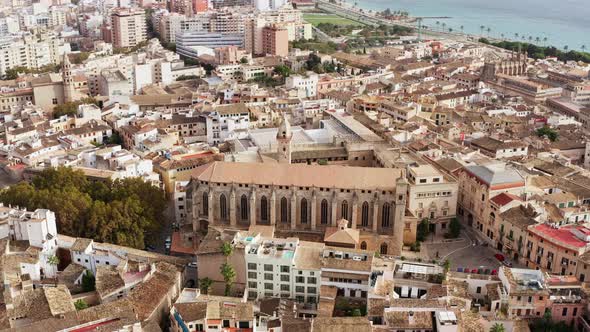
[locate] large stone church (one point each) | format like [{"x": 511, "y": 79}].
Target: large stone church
[{"x": 302, "y": 200}]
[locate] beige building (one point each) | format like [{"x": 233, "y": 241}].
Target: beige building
[
  {"x": 128, "y": 27},
  {"x": 478, "y": 184},
  {"x": 432, "y": 195},
  {"x": 275, "y": 40},
  {"x": 298, "y": 198}
]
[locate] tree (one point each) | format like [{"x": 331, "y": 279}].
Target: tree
[
  {"x": 187, "y": 77},
  {"x": 423, "y": 229},
  {"x": 565, "y": 48},
  {"x": 121, "y": 212},
  {"x": 229, "y": 276},
  {"x": 282, "y": 70},
  {"x": 88, "y": 282},
  {"x": 226, "y": 249},
  {"x": 446, "y": 266},
  {"x": 498, "y": 327},
  {"x": 205, "y": 285},
  {"x": 454, "y": 228},
  {"x": 548, "y": 132},
  {"x": 80, "y": 304},
  {"x": 244, "y": 60}
]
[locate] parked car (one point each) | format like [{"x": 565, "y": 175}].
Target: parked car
[
  {"x": 168, "y": 240},
  {"x": 507, "y": 263},
  {"x": 192, "y": 264},
  {"x": 500, "y": 257}
]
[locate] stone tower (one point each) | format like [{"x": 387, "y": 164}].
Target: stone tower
[
  {"x": 67, "y": 79},
  {"x": 284, "y": 137}
]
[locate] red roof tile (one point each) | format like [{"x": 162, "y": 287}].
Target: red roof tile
[
  {"x": 504, "y": 198},
  {"x": 562, "y": 235}
]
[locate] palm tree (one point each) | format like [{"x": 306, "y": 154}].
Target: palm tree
[
  {"x": 444, "y": 25},
  {"x": 488, "y": 30},
  {"x": 461, "y": 27},
  {"x": 53, "y": 261},
  {"x": 530, "y": 38},
  {"x": 450, "y": 29},
  {"x": 544, "y": 41},
  {"x": 583, "y": 47},
  {"x": 229, "y": 276},
  {"x": 437, "y": 23},
  {"x": 565, "y": 48},
  {"x": 205, "y": 285},
  {"x": 516, "y": 35},
  {"x": 537, "y": 40},
  {"x": 502, "y": 35},
  {"x": 497, "y": 328},
  {"x": 481, "y": 27}
]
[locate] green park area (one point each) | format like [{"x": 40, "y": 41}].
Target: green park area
[{"x": 318, "y": 18}]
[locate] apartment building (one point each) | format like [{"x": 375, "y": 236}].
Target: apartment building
[
  {"x": 32, "y": 52},
  {"x": 306, "y": 85},
  {"x": 478, "y": 184},
  {"x": 275, "y": 40},
  {"x": 347, "y": 269},
  {"x": 275, "y": 268},
  {"x": 556, "y": 249},
  {"x": 528, "y": 293},
  {"x": 128, "y": 27},
  {"x": 227, "y": 121}
]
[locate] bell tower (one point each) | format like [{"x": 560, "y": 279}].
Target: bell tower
[
  {"x": 284, "y": 137},
  {"x": 68, "y": 81}
]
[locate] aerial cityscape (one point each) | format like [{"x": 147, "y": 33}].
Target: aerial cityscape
[{"x": 294, "y": 166}]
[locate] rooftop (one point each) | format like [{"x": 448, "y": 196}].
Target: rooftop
[{"x": 299, "y": 175}]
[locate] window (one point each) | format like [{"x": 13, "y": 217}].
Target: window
[
  {"x": 205, "y": 203},
  {"x": 324, "y": 212},
  {"x": 363, "y": 245},
  {"x": 251, "y": 284},
  {"x": 422, "y": 180},
  {"x": 284, "y": 210},
  {"x": 244, "y": 207},
  {"x": 268, "y": 276},
  {"x": 311, "y": 280},
  {"x": 575, "y": 312},
  {"x": 299, "y": 280},
  {"x": 252, "y": 275},
  {"x": 263, "y": 209},
  {"x": 268, "y": 286},
  {"x": 564, "y": 312},
  {"x": 299, "y": 289},
  {"x": 284, "y": 277},
  {"x": 478, "y": 290},
  {"x": 222, "y": 207},
  {"x": 268, "y": 267},
  {"x": 303, "y": 211},
  {"x": 344, "y": 210},
  {"x": 311, "y": 290},
  {"x": 284, "y": 269},
  {"x": 365, "y": 215},
  {"x": 383, "y": 249},
  {"x": 385, "y": 215},
  {"x": 251, "y": 266},
  {"x": 284, "y": 288}
]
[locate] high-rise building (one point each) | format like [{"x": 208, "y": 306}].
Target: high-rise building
[
  {"x": 200, "y": 6},
  {"x": 275, "y": 40},
  {"x": 128, "y": 27}
]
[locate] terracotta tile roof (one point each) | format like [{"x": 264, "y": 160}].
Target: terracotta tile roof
[{"x": 299, "y": 175}]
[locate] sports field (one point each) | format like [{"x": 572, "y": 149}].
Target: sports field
[{"x": 316, "y": 19}]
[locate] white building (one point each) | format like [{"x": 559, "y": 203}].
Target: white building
[
  {"x": 306, "y": 85},
  {"x": 228, "y": 122},
  {"x": 285, "y": 268},
  {"x": 40, "y": 230}
]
